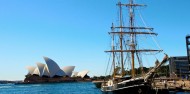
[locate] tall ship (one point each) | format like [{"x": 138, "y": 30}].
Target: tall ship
[{"x": 128, "y": 53}]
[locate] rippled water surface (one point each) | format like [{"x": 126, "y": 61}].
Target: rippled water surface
[{"x": 56, "y": 88}]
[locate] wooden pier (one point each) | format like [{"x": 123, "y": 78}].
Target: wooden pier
[{"x": 171, "y": 84}]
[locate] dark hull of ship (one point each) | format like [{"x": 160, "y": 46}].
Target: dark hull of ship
[
  {"x": 135, "y": 87},
  {"x": 137, "y": 90}
]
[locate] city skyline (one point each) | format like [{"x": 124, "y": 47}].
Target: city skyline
[{"x": 75, "y": 32}]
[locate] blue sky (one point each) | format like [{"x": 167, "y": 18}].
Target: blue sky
[{"x": 74, "y": 32}]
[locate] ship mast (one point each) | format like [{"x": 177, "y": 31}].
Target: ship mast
[
  {"x": 132, "y": 31},
  {"x": 121, "y": 39},
  {"x": 131, "y": 21},
  {"x": 113, "y": 53}
]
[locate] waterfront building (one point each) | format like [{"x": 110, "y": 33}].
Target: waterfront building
[
  {"x": 51, "y": 69},
  {"x": 82, "y": 74},
  {"x": 68, "y": 70},
  {"x": 179, "y": 66}
]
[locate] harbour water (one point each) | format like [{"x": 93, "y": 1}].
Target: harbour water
[{"x": 55, "y": 88}]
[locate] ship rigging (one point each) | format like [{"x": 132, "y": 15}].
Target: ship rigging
[{"x": 127, "y": 50}]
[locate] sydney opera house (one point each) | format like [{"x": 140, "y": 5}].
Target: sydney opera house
[{"x": 51, "y": 72}]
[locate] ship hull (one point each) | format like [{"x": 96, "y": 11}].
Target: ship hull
[
  {"x": 133, "y": 90},
  {"x": 136, "y": 86},
  {"x": 137, "y": 90}
]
